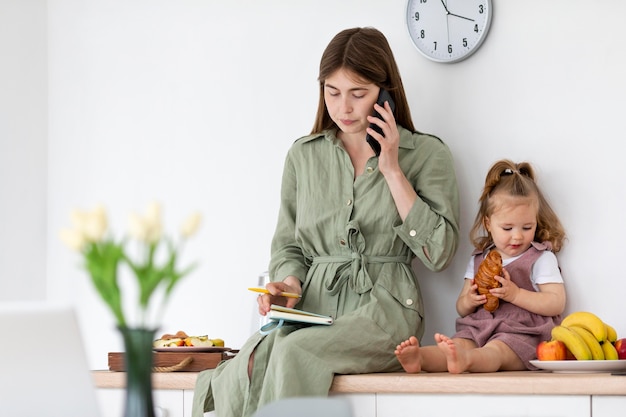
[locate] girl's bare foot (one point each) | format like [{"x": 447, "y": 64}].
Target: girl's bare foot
[
  {"x": 408, "y": 353},
  {"x": 456, "y": 356}
]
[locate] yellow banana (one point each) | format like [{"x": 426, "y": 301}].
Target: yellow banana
[
  {"x": 594, "y": 346},
  {"x": 610, "y": 353},
  {"x": 573, "y": 342},
  {"x": 588, "y": 321},
  {"x": 611, "y": 334}
]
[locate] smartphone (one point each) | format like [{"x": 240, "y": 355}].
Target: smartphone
[{"x": 382, "y": 97}]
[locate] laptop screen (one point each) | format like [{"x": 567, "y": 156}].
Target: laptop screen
[{"x": 43, "y": 363}]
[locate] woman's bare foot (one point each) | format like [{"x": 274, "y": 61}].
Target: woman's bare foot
[
  {"x": 408, "y": 353},
  {"x": 456, "y": 356}
]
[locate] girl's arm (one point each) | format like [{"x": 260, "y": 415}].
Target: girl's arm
[{"x": 548, "y": 301}]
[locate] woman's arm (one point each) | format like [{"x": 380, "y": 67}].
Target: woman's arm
[
  {"x": 286, "y": 255},
  {"x": 426, "y": 195}
]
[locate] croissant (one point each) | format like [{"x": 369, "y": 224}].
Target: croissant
[{"x": 484, "y": 278}]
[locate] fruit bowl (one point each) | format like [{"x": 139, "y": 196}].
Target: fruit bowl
[{"x": 573, "y": 366}]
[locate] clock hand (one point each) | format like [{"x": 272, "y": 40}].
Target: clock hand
[
  {"x": 461, "y": 17},
  {"x": 447, "y": 22},
  {"x": 445, "y": 7}
]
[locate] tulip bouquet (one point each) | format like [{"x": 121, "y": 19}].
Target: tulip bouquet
[{"x": 103, "y": 255}]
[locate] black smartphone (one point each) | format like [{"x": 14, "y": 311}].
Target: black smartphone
[{"x": 382, "y": 97}]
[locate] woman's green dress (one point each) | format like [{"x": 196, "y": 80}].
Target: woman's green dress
[{"x": 344, "y": 239}]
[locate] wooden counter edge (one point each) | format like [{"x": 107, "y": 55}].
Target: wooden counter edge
[
  {"x": 511, "y": 383},
  {"x": 160, "y": 380}
]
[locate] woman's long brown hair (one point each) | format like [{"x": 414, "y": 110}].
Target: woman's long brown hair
[{"x": 366, "y": 53}]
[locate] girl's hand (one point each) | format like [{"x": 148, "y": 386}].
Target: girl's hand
[
  {"x": 474, "y": 299},
  {"x": 290, "y": 284},
  {"x": 469, "y": 299},
  {"x": 389, "y": 140},
  {"x": 508, "y": 291}
]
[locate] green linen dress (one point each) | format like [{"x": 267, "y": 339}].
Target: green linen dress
[{"x": 344, "y": 239}]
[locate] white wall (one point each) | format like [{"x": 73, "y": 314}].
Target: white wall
[
  {"x": 23, "y": 159},
  {"x": 195, "y": 103}
]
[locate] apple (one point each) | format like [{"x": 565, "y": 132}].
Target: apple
[
  {"x": 620, "y": 346},
  {"x": 553, "y": 350}
]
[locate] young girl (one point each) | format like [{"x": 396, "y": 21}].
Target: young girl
[{"x": 516, "y": 220}]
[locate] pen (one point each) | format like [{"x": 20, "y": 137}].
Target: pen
[{"x": 282, "y": 294}]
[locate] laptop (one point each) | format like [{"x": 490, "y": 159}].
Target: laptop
[{"x": 43, "y": 364}]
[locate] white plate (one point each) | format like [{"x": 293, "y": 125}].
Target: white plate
[
  {"x": 573, "y": 366},
  {"x": 192, "y": 349}
]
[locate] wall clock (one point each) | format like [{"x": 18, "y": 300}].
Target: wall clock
[{"x": 448, "y": 30}]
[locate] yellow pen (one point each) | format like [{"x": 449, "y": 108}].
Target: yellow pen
[{"x": 282, "y": 294}]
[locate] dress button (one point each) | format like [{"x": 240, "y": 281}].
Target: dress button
[
  {"x": 409, "y": 302},
  {"x": 342, "y": 242},
  {"x": 412, "y": 233},
  {"x": 370, "y": 169},
  {"x": 349, "y": 202}
]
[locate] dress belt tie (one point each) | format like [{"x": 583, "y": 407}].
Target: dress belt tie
[{"x": 357, "y": 275}]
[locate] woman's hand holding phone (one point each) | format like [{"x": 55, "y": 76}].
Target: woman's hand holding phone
[{"x": 383, "y": 97}]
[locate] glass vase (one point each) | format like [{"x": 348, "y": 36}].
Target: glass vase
[{"x": 138, "y": 363}]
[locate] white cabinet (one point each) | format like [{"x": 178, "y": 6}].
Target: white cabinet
[
  {"x": 178, "y": 403},
  {"x": 187, "y": 402},
  {"x": 363, "y": 405},
  {"x": 607, "y": 406},
  {"x": 167, "y": 403},
  {"x": 475, "y": 405}
]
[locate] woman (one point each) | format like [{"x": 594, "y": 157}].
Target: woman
[{"x": 349, "y": 225}]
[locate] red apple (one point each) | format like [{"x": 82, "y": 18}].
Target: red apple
[
  {"x": 553, "y": 350},
  {"x": 620, "y": 346}
]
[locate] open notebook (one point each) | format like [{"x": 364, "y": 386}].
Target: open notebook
[{"x": 43, "y": 365}]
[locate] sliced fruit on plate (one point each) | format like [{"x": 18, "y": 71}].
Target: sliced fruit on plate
[
  {"x": 198, "y": 341},
  {"x": 175, "y": 342}
]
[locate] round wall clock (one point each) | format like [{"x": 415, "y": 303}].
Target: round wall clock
[{"x": 448, "y": 30}]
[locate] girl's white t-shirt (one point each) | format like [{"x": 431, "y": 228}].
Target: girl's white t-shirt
[{"x": 545, "y": 270}]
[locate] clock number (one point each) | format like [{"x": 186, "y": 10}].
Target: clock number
[
  {"x": 422, "y": 34},
  {"x": 422, "y": 1},
  {"x": 481, "y": 9},
  {"x": 435, "y": 43},
  {"x": 476, "y": 28},
  {"x": 465, "y": 42},
  {"x": 449, "y": 48},
  {"x": 417, "y": 16}
]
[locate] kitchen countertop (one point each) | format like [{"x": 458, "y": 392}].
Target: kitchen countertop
[{"x": 512, "y": 383}]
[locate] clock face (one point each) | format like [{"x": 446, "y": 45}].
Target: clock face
[{"x": 448, "y": 30}]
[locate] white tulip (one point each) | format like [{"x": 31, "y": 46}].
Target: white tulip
[
  {"x": 72, "y": 239},
  {"x": 95, "y": 224},
  {"x": 154, "y": 227},
  {"x": 191, "y": 224},
  {"x": 147, "y": 228},
  {"x": 137, "y": 227}
]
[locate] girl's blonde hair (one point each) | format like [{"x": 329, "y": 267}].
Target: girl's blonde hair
[{"x": 515, "y": 180}]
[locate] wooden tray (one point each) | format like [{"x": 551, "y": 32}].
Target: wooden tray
[{"x": 175, "y": 361}]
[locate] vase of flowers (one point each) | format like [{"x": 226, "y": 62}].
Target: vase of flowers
[{"x": 149, "y": 257}]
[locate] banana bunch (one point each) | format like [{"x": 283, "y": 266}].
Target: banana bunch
[{"x": 587, "y": 337}]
